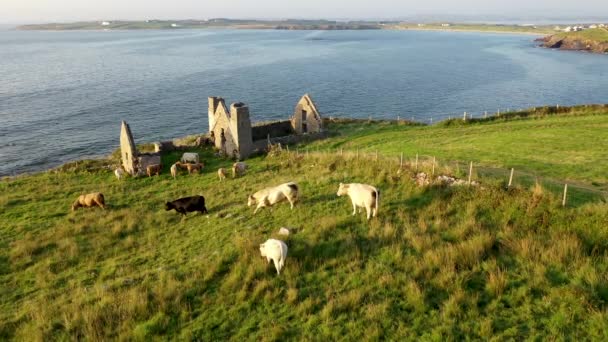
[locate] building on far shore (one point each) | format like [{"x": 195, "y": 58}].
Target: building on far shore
[{"x": 105, "y": 23}]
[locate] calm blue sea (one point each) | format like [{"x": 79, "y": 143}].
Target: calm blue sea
[{"x": 63, "y": 94}]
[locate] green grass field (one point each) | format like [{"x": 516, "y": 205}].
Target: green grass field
[
  {"x": 439, "y": 263},
  {"x": 565, "y": 146},
  {"x": 598, "y": 34}
]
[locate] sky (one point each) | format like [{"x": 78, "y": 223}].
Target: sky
[{"x": 37, "y": 11}]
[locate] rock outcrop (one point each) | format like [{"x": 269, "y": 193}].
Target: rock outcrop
[{"x": 578, "y": 42}]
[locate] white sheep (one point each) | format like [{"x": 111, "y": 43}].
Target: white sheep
[
  {"x": 275, "y": 250},
  {"x": 120, "y": 173}
]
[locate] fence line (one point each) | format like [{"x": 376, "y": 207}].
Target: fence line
[{"x": 571, "y": 194}]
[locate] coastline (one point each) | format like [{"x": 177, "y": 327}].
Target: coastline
[{"x": 466, "y": 30}]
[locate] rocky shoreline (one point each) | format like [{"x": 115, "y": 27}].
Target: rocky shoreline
[{"x": 573, "y": 43}]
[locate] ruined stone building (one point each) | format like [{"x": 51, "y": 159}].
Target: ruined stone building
[
  {"x": 134, "y": 162},
  {"x": 232, "y": 133}
]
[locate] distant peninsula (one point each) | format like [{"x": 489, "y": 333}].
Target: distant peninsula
[
  {"x": 290, "y": 24},
  {"x": 591, "y": 40}
]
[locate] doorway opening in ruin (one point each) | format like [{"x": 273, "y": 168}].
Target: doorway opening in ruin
[{"x": 304, "y": 126}]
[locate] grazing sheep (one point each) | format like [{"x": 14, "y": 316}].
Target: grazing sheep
[
  {"x": 153, "y": 170},
  {"x": 238, "y": 169},
  {"x": 269, "y": 196},
  {"x": 194, "y": 168},
  {"x": 174, "y": 169},
  {"x": 221, "y": 173},
  {"x": 362, "y": 196},
  {"x": 190, "y": 157},
  {"x": 89, "y": 200},
  {"x": 120, "y": 173},
  {"x": 275, "y": 250}
]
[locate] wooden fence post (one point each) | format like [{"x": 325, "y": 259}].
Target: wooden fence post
[
  {"x": 511, "y": 178},
  {"x": 416, "y": 162},
  {"x": 357, "y": 153},
  {"x": 341, "y": 152},
  {"x": 433, "y": 171},
  {"x": 565, "y": 194},
  {"x": 401, "y": 161},
  {"x": 470, "y": 172},
  {"x": 464, "y": 116},
  {"x": 485, "y": 114},
  {"x": 376, "y": 155}
]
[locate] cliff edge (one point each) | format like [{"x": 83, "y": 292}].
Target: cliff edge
[{"x": 592, "y": 40}]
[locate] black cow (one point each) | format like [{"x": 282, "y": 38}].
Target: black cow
[{"x": 187, "y": 205}]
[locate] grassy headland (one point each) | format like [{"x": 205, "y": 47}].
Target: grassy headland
[
  {"x": 592, "y": 40},
  {"x": 438, "y": 263}
]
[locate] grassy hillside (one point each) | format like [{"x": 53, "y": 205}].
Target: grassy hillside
[
  {"x": 439, "y": 263},
  {"x": 564, "y": 146},
  {"x": 598, "y": 35},
  {"x": 543, "y": 29}
]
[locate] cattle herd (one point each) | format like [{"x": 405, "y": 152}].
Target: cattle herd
[{"x": 361, "y": 195}]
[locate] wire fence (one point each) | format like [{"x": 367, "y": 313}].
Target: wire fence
[
  {"x": 495, "y": 114},
  {"x": 570, "y": 193}
]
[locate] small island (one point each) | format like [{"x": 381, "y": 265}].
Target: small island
[{"x": 592, "y": 40}]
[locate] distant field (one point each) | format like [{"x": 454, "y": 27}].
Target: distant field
[
  {"x": 567, "y": 147},
  {"x": 286, "y": 25},
  {"x": 598, "y": 34},
  {"x": 541, "y": 30}
]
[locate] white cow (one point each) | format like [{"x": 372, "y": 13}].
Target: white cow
[
  {"x": 120, "y": 173},
  {"x": 238, "y": 169},
  {"x": 275, "y": 250},
  {"x": 270, "y": 196},
  {"x": 362, "y": 196},
  {"x": 190, "y": 157}
]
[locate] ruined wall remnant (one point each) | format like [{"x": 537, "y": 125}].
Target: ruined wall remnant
[
  {"x": 306, "y": 118},
  {"x": 128, "y": 152},
  {"x": 230, "y": 130},
  {"x": 146, "y": 159}
]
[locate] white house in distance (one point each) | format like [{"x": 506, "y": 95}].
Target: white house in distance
[{"x": 105, "y": 23}]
